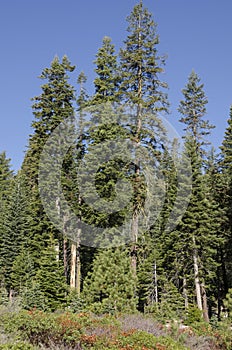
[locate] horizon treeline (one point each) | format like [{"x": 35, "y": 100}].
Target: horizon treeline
[{"x": 179, "y": 262}]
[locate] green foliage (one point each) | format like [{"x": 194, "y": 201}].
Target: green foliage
[
  {"x": 193, "y": 316},
  {"x": 31, "y": 296},
  {"x": 111, "y": 286},
  {"x": 107, "y": 81},
  {"x": 140, "y": 63},
  {"x": 226, "y": 148},
  {"x": 68, "y": 330},
  {"x": 3, "y": 296},
  {"x": 18, "y": 225},
  {"x": 167, "y": 264},
  {"x": 74, "y": 302},
  {"x": 6, "y": 179},
  {"x": 17, "y": 346},
  {"x": 50, "y": 278},
  {"x": 193, "y": 110},
  {"x": 228, "y": 302}
]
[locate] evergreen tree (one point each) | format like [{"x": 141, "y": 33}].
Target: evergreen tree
[
  {"x": 199, "y": 219},
  {"x": 50, "y": 277},
  {"x": 17, "y": 228},
  {"x": 225, "y": 201},
  {"x": 140, "y": 63},
  {"x": 226, "y": 148},
  {"x": 193, "y": 110},
  {"x": 6, "y": 179},
  {"x": 197, "y": 243},
  {"x": 107, "y": 81},
  {"x": 23, "y": 269},
  {"x": 218, "y": 187},
  {"x": 142, "y": 88},
  {"x": 50, "y": 108},
  {"x": 110, "y": 287}
]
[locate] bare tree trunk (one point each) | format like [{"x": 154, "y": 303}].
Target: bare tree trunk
[
  {"x": 156, "y": 284},
  {"x": 196, "y": 276},
  {"x": 57, "y": 250},
  {"x": 73, "y": 265},
  {"x": 11, "y": 295},
  {"x": 78, "y": 264},
  {"x": 205, "y": 304},
  {"x": 185, "y": 294},
  {"x": 65, "y": 257}
]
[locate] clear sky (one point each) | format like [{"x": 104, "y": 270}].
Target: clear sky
[{"x": 195, "y": 34}]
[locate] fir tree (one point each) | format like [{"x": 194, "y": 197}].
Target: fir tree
[
  {"x": 50, "y": 277},
  {"x": 6, "y": 180},
  {"x": 50, "y": 108},
  {"x": 225, "y": 201},
  {"x": 111, "y": 285},
  {"x": 197, "y": 243},
  {"x": 140, "y": 63},
  {"x": 17, "y": 228},
  {"x": 226, "y": 148},
  {"x": 142, "y": 88},
  {"x": 107, "y": 81},
  {"x": 193, "y": 110}
]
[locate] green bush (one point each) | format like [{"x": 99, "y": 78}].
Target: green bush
[
  {"x": 66, "y": 330},
  {"x": 17, "y": 346}
]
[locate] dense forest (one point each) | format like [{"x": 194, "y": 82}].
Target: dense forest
[{"x": 121, "y": 219}]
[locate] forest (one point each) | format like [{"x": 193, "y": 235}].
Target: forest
[{"x": 113, "y": 234}]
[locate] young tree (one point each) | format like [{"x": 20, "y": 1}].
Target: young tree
[
  {"x": 17, "y": 229},
  {"x": 50, "y": 277},
  {"x": 111, "y": 285}
]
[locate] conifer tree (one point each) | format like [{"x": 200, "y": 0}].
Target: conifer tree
[
  {"x": 199, "y": 220},
  {"x": 111, "y": 285},
  {"x": 107, "y": 81},
  {"x": 50, "y": 108},
  {"x": 6, "y": 180},
  {"x": 226, "y": 148},
  {"x": 17, "y": 229},
  {"x": 142, "y": 88},
  {"x": 50, "y": 277},
  {"x": 197, "y": 242},
  {"x": 193, "y": 110},
  {"x": 225, "y": 200},
  {"x": 78, "y": 152}
]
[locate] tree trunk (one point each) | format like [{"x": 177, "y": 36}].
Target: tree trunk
[
  {"x": 134, "y": 243},
  {"x": 65, "y": 257},
  {"x": 11, "y": 295},
  {"x": 156, "y": 284},
  {"x": 196, "y": 276},
  {"x": 135, "y": 218},
  {"x": 78, "y": 264},
  {"x": 205, "y": 304},
  {"x": 57, "y": 250},
  {"x": 185, "y": 294},
  {"x": 73, "y": 265}
]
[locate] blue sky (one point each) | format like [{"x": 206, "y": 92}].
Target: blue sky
[{"x": 195, "y": 34}]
